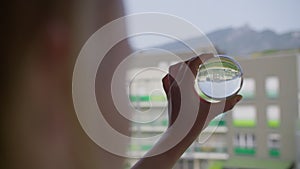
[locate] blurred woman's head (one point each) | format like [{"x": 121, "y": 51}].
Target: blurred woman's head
[{"x": 41, "y": 40}]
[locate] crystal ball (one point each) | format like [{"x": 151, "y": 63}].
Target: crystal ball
[{"x": 219, "y": 78}]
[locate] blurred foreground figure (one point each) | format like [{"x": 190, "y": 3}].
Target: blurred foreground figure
[{"x": 41, "y": 40}]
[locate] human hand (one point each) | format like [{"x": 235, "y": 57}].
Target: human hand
[{"x": 181, "y": 80}]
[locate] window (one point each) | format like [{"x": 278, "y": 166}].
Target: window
[
  {"x": 274, "y": 145},
  {"x": 248, "y": 88},
  {"x": 244, "y": 116},
  {"x": 273, "y": 116},
  {"x": 244, "y": 144},
  {"x": 272, "y": 87}
]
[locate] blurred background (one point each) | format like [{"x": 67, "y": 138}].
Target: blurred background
[
  {"x": 261, "y": 131},
  {"x": 41, "y": 40}
]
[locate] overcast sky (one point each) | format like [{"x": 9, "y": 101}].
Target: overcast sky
[{"x": 209, "y": 15}]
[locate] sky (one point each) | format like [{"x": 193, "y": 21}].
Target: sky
[{"x": 208, "y": 15}]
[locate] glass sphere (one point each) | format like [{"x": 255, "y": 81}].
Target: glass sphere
[{"x": 218, "y": 78}]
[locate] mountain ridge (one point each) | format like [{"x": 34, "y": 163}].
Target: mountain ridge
[
  {"x": 241, "y": 41},
  {"x": 245, "y": 40}
]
